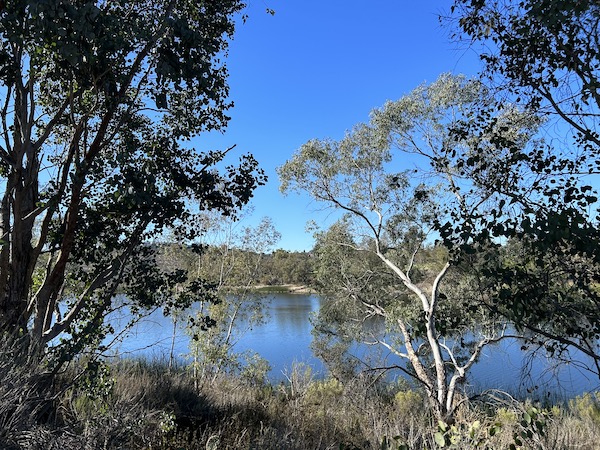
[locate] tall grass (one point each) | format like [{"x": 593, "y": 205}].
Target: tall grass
[{"x": 144, "y": 405}]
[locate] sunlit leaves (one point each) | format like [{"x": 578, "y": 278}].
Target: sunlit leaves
[
  {"x": 544, "y": 54},
  {"x": 98, "y": 100}
]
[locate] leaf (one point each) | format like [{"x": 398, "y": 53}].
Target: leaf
[
  {"x": 439, "y": 439},
  {"x": 495, "y": 428},
  {"x": 161, "y": 100},
  {"x": 443, "y": 426}
]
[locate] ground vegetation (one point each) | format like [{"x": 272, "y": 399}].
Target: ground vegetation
[{"x": 143, "y": 404}]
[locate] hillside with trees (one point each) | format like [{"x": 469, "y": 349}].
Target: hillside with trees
[{"x": 229, "y": 266}]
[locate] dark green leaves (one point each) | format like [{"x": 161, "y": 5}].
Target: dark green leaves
[{"x": 98, "y": 97}]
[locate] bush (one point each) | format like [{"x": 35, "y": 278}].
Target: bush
[
  {"x": 407, "y": 402},
  {"x": 150, "y": 406},
  {"x": 587, "y": 407},
  {"x": 324, "y": 392}
]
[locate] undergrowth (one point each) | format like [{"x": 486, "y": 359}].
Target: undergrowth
[{"x": 143, "y": 405}]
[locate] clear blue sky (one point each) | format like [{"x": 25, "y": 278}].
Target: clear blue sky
[{"x": 316, "y": 68}]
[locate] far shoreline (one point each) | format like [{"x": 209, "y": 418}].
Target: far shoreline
[{"x": 284, "y": 289}]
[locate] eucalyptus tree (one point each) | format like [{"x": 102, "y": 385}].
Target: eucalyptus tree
[
  {"x": 233, "y": 263},
  {"x": 545, "y": 55},
  {"x": 98, "y": 99},
  {"x": 397, "y": 182},
  {"x": 543, "y": 52}
]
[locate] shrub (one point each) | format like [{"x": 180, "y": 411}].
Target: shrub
[
  {"x": 407, "y": 402},
  {"x": 324, "y": 392},
  {"x": 587, "y": 407}
]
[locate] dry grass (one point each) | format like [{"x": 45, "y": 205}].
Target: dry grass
[{"x": 144, "y": 406}]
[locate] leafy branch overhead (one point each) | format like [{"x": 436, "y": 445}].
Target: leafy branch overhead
[
  {"x": 98, "y": 99},
  {"x": 544, "y": 55}
]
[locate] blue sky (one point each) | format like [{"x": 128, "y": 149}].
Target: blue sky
[{"x": 315, "y": 69}]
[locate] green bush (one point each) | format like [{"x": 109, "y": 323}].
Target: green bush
[
  {"x": 326, "y": 391},
  {"x": 407, "y": 402},
  {"x": 587, "y": 407}
]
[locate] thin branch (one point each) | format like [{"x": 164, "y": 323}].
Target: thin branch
[
  {"x": 548, "y": 96},
  {"x": 393, "y": 350},
  {"x": 57, "y": 117},
  {"x": 435, "y": 287}
]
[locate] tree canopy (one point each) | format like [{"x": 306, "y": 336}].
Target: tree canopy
[
  {"x": 544, "y": 56},
  {"x": 544, "y": 52},
  {"x": 399, "y": 182},
  {"x": 98, "y": 101}
]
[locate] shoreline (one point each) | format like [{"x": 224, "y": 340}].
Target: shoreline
[{"x": 284, "y": 289}]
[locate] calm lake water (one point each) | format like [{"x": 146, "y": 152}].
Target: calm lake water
[{"x": 285, "y": 338}]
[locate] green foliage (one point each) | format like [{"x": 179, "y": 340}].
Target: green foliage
[
  {"x": 167, "y": 422},
  {"x": 325, "y": 391},
  {"x": 153, "y": 406},
  {"x": 95, "y": 382},
  {"x": 99, "y": 98},
  {"x": 530, "y": 56},
  {"x": 505, "y": 416},
  {"x": 452, "y": 436},
  {"x": 232, "y": 263},
  {"x": 290, "y": 268},
  {"x": 587, "y": 406},
  {"x": 88, "y": 409},
  {"x": 529, "y": 429},
  {"x": 378, "y": 267},
  {"x": 300, "y": 378},
  {"x": 533, "y": 425},
  {"x": 255, "y": 370},
  {"x": 544, "y": 55},
  {"x": 408, "y": 401}
]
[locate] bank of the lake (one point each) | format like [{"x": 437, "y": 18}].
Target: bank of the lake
[
  {"x": 141, "y": 402},
  {"x": 142, "y": 405},
  {"x": 301, "y": 289}
]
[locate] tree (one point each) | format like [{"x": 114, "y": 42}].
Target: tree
[
  {"x": 376, "y": 259},
  {"x": 291, "y": 268},
  {"x": 544, "y": 54},
  {"x": 233, "y": 263},
  {"x": 97, "y": 101}
]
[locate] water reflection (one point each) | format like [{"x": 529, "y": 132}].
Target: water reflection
[
  {"x": 286, "y": 337},
  {"x": 289, "y": 313}
]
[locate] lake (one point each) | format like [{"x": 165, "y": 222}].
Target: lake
[{"x": 285, "y": 338}]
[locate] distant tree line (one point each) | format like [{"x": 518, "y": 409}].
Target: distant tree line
[{"x": 279, "y": 267}]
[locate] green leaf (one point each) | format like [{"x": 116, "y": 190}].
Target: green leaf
[
  {"x": 497, "y": 427},
  {"x": 442, "y": 426},
  {"x": 439, "y": 439}
]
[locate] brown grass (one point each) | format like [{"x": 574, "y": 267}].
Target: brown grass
[{"x": 144, "y": 406}]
